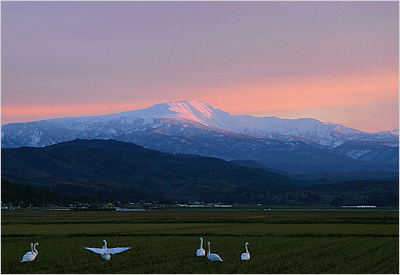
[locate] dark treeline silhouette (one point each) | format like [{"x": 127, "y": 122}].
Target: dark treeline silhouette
[{"x": 98, "y": 170}]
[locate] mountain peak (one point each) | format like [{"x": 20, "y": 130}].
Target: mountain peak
[
  {"x": 185, "y": 110},
  {"x": 192, "y": 110}
]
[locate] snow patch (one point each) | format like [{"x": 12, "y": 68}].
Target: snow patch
[{"x": 35, "y": 138}]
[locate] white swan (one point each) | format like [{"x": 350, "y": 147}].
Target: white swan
[
  {"x": 213, "y": 256},
  {"x": 31, "y": 255},
  {"x": 201, "y": 251},
  {"x": 245, "y": 256},
  {"x": 105, "y": 252}
]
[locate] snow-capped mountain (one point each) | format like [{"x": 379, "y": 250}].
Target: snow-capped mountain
[{"x": 194, "y": 127}]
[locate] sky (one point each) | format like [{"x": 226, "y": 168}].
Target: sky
[{"x": 334, "y": 61}]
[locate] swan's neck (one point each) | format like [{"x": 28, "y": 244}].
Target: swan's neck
[
  {"x": 34, "y": 248},
  {"x": 247, "y": 251},
  {"x": 209, "y": 249},
  {"x": 201, "y": 243},
  {"x": 105, "y": 244}
]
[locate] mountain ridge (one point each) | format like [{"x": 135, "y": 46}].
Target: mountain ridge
[
  {"x": 194, "y": 127},
  {"x": 123, "y": 169},
  {"x": 192, "y": 111}
]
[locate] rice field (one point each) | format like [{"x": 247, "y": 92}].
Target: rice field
[{"x": 165, "y": 241}]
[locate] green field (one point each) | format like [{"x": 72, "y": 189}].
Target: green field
[{"x": 286, "y": 240}]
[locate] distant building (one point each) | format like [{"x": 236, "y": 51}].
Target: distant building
[
  {"x": 129, "y": 209},
  {"x": 359, "y": 206},
  {"x": 101, "y": 205}
]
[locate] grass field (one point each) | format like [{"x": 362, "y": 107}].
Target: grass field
[{"x": 281, "y": 241}]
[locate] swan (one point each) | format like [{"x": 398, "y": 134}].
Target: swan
[
  {"x": 31, "y": 255},
  {"x": 105, "y": 252},
  {"x": 213, "y": 256},
  {"x": 201, "y": 251},
  {"x": 245, "y": 256}
]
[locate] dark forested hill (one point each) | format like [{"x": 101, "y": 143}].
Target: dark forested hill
[{"x": 125, "y": 170}]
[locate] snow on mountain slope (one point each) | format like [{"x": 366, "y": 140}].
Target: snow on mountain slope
[
  {"x": 302, "y": 129},
  {"x": 188, "y": 114}
]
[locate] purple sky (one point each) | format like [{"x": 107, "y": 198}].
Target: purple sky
[{"x": 334, "y": 61}]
